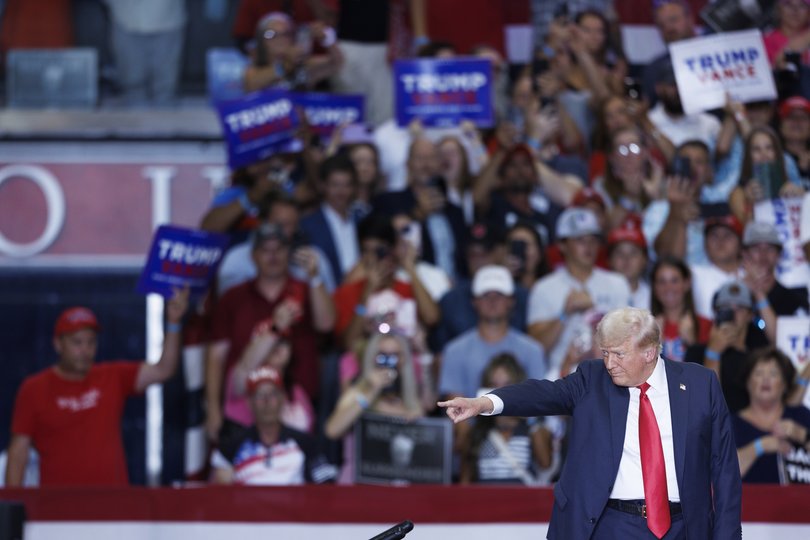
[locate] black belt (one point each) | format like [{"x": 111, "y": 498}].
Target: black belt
[{"x": 639, "y": 508}]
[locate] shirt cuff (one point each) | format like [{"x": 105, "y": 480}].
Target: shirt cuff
[{"x": 497, "y": 405}]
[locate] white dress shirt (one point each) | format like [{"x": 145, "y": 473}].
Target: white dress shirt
[{"x": 629, "y": 484}]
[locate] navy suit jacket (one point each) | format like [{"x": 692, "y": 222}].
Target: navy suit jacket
[
  {"x": 317, "y": 232},
  {"x": 706, "y": 464}
]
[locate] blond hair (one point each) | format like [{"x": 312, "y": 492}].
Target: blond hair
[{"x": 635, "y": 324}]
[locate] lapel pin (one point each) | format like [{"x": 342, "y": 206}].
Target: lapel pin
[{"x": 682, "y": 386}]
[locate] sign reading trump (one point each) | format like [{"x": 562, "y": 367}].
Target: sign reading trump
[
  {"x": 257, "y": 126},
  {"x": 180, "y": 257},
  {"x": 325, "y": 112},
  {"x": 706, "y": 68},
  {"x": 442, "y": 93}
]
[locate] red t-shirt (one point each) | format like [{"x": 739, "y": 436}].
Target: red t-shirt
[
  {"x": 242, "y": 307},
  {"x": 76, "y": 425},
  {"x": 673, "y": 347}
]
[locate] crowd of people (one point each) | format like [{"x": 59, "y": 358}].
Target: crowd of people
[{"x": 395, "y": 266}]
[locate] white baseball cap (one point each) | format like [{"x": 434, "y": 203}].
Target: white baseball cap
[
  {"x": 576, "y": 222},
  {"x": 493, "y": 278}
]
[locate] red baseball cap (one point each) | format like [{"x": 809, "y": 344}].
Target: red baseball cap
[
  {"x": 628, "y": 231},
  {"x": 587, "y": 195},
  {"x": 75, "y": 319},
  {"x": 725, "y": 221},
  {"x": 262, "y": 375},
  {"x": 792, "y": 103}
]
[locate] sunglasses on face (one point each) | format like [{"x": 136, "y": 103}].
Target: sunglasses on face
[
  {"x": 627, "y": 149},
  {"x": 386, "y": 360}
]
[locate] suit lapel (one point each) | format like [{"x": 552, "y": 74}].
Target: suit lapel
[
  {"x": 679, "y": 410},
  {"x": 619, "y": 399}
]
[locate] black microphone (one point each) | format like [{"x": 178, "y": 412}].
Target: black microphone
[{"x": 396, "y": 532}]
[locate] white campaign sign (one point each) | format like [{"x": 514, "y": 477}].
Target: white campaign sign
[
  {"x": 706, "y": 68},
  {"x": 785, "y": 215}
]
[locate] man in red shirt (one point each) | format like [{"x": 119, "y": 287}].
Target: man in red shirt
[{"x": 71, "y": 412}]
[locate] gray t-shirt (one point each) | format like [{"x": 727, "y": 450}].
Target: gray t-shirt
[{"x": 465, "y": 358}]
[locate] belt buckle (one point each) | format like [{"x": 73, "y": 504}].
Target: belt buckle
[{"x": 644, "y": 511}]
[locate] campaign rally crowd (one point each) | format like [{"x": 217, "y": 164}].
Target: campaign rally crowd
[{"x": 383, "y": 267}]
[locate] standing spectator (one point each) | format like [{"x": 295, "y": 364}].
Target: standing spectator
[
  {"x": 627, "y": 253},
  {"x": 675, "y": 22},
  {"x": 773, "y": 423},
  {"x": 71, "y": 412},
  {"x": 303, "y": 309},
  {"x": 794, "y": 128},
  {"x": 465, "y": 358},
  {"x": 674, "y": 308},
  {"x": 733, "y": 334},
  {"x": 763, "y": 155},
  {"x": 722, "y": 240},
  {"x": 269, "y": 453},
  {"x": 147, "y": 39},
  {"x": 332, "y": 227},
  {"x": 565, "y": 306},
  {"x": 425, "y": 198},
  {"x": 279, "y": 62},
  {"x": 504, "y": 449}
]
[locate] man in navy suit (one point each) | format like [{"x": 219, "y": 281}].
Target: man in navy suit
[{"x": 601, "y": 493}]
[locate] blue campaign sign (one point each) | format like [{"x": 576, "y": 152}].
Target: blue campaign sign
[
  {"x": 325, "y": 112},
  {"x": 442, "y": 93},
  {"x": 257, "y": 125},
  {"x": 180, "y": 257}
]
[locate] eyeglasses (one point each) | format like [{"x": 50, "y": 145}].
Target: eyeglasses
[
  {"x": 387, "y": 360},
  {"x": 627, "y": 149}
]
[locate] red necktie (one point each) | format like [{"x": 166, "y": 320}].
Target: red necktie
[{"x": 652, "y": 467}]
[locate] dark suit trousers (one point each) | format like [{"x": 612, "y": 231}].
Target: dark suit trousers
[{"x": 617, "y": 525}]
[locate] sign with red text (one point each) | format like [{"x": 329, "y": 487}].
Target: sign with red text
[
  {"x": 785, "y": 215},
  {"x": 181, "y": 257},
  {"x": 706, "y": 68}
]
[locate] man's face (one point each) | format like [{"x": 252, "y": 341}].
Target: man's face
[
  {"x": 339, "y": 190},
  {"x": 285, "y": 216},
  {"x": 796, "y": 125},
  {"x": 493, "y": 306},
  {"x": 266, "y": 403},
  {"x": 629, "y": 260},
  {"x": 699, "y": 163},
  {"x": 627, "y": 364},
  {"x": 673, "y": 22},
  {"x": 722, "y": 246},
  {"x": 581, "y": 252},
  {"x": 762, "y": 255},
  {"x": 519, "y": 171},
  {"x": 669, "y": 97},
  {"x": 272, "y": 258},
  {"x": 77, "y": 351},
  {"x": 423, "y": 162}
]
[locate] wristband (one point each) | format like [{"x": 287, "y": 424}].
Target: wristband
[
  {"x": 801, "y": 381},
  {"x": 758, "y": 447},
  {"x": 360, "y": 310},
  {"x": 714, "y": 356},
  {"x": 173, "y": 328},
  {"x": 362, "y": 400},
  {"x": 762, "y": 304},
  {"x": 244, "y": 202}
]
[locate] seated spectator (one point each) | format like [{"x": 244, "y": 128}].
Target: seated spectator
[
  {"x": 674, "y": 308},
  {"x": 71, "y": 412},
  {"x": 332, "y": 227},
  {"x": 627, "y": 253},
  {"x": 566, "y": 305},
  {"x": 372, "y": 292},
  {"x": 267, "y": 347},
  {"x": 305, "y": 309},
  {"x": 773, "y": 427},
  {"x": 465, "y": 358},
  {"x": 503, "y": 449},
  {"x": 269, "y": 453},
  {"x": 794, "y": 128},
  {"x": 722, "y": 241},
  {"x": 733, "y": 334},
  {"x": 763, "y": 173},
  {"x": 278, "y": 62},
  {"x": 526, "y": 255},
  {"x": 633, "y": 178},
  {"x": 385, "y": 383},
  {"x": 762, "y": 249},
  {"x": 425, "y": 198}
]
